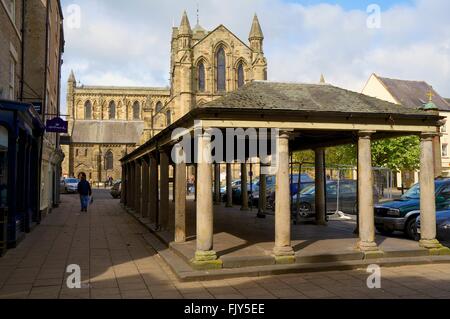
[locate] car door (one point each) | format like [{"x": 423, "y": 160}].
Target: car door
[
  {"x": 331, "y": 197},
  {"x": 347, "y": 197},
  {"x": 444, "y": 196}
]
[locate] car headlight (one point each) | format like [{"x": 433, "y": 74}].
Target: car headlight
[
  {"x": 446, "y": 226},
  {"x": 393, "y": 212}
]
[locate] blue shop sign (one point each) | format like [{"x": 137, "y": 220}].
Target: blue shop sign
[{"x": 57, "y": 125}]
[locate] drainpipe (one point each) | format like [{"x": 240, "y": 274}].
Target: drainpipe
[
  {"x": 43, "y": 109},
  {"x": 22, "y": 31}
]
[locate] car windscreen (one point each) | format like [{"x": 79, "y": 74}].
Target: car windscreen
[
  {"x": 412, "y": 193},
  {"x": 71, "y": 181},
  {"x": 308, "y": 190}
]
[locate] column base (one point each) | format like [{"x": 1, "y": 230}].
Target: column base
[
  {"x": 205, "y": 260},
  {"x": 430, "y": 244},
  {"x": 284, "y": 255},
  {"x": 261, "y": 214},
  {"x": 321, "y": 223},
  {"x": 366, "y": 246},
  {"x": 228, "y": 205},
  {"x": 245, "y": 209}
]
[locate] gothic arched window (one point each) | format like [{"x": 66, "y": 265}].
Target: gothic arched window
[
  {"x": 221, "y": 70},
  {"x": 112, "y": 110},
  {"x": 240, "y": 75},
  {"x": 201, "y": 77},
  {"x": 136, "y": 111},
  {"x": 168, "y": 118},
  {"x": 88, "y": 110},
  {"x": 159, "y": 107},
  {"x": 109, "y": 161}
]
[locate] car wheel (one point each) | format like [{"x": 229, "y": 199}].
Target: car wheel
[
  {"x": 305, "y": 209},
  {"x": 383, "y": 231},
  {"x": 410, "y": 228}
]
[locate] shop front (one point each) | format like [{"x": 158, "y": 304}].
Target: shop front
[{"x": 21, "y": 132}]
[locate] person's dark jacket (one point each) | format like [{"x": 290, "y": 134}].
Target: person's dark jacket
[{"x": 84, "y": 188}]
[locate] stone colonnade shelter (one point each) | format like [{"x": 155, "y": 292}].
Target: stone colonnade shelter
[{"x": 308, "y": 116}]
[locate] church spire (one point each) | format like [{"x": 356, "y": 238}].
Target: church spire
[
  {"x": 71, "y": 77},
  {"x": 185, "y": 27},
  {"x": 256, "y": 31},
  {"x": 322, "y": 79}
]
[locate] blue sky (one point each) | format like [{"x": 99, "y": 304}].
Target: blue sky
[
  {"x": 128, "y": 44},
  {"x": 356, "y": 4}
]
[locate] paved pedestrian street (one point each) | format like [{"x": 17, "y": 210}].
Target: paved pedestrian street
[{"x": 116, "y": 262}]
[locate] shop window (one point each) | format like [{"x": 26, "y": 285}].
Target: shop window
[{"x": 3, "y": 167}]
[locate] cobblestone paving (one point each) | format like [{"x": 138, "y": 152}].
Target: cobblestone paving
[{"x": 116, "y": 262}]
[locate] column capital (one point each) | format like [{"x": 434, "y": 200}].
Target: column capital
[
  {"x": 366, "y": 133},
  {"x": 284, "y": 134},
  {"x": 428, "y": 135}
]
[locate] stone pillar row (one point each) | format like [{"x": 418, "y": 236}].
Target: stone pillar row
[{"x": 142, "y": 194}]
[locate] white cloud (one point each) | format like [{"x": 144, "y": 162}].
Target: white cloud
[{"x": 128, "y": 44}]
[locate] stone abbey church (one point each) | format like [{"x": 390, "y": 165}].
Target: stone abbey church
[{"x": 106, "y": 123}]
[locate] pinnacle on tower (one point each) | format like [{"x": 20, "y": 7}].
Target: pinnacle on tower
[
  {"x": 185, "y": 27},
  {"x": 322, "y": 79},
  {"x": 71, "y": 77},
  {"x": 256, "y": 31}
]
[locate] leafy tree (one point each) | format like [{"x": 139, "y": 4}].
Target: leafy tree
[{"x": 398, "y": 154}]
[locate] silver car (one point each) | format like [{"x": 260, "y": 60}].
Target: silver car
[{"x": 70, "y": 185}]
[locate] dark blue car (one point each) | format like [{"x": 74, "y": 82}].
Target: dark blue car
[
  {"x": 442, "y": 226},
  {"x": 401, "y": 214}
]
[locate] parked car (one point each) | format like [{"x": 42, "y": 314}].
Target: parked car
[
  {"x": 270, "y": 188},
  {"x": 401, "y": 214},
  {"x": 442, "y": 226},
  {"x": 69, "y": 185},
  {"x": 116, "y": 189},
  {"x": 347, "y": 198},
  {"x": 305, "y": 182}
]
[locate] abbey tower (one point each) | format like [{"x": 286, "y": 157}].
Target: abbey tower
[{"x": 105, "y": 122}]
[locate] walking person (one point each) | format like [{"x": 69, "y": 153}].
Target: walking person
[{"x": 85, "y": 191}]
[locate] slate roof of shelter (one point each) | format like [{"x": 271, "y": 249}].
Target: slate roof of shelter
[
  {"x": 413, "y": 93},
  {"x": 264, "y": 95},
  {"x": 107, "y": 132}
]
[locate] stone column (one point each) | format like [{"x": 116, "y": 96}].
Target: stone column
[
  {"x": 145, "y": 187},
  {"x": 174, "y": 167},
  {"x": 437, "y": 149},
  {"x": 153, "y": 192},
  {"x": 180, "y": 198},
  {"x": 244, "y": 187},
  {"x": 262, "y": 191},
  {"x": 229, "y": 186},
  {"x": 283, "y": 250},
  {"x": 205, "y": 256},
  {"x": 164, "y": 190},
  {"x": 138, "y": 188},
  {"x": 365, "y": 193},
  {"x": 427, "y": 193},
  {"x": 217, "y": 198},
  {"x": 320, "y": 197},
  {"x": 195, "y": 181}
]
